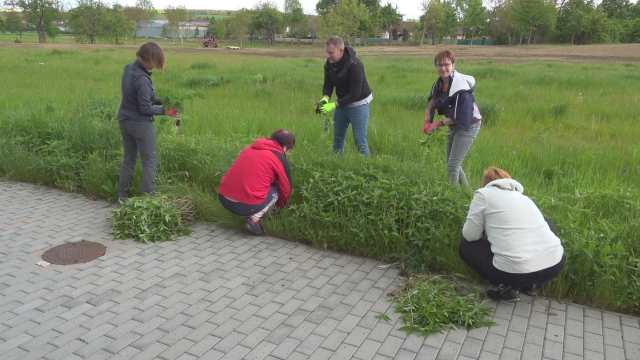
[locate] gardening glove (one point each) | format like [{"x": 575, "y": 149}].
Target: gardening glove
[
  {"x": 428, "y": 127},
  {"x": 327, "y": 108},
  {"x": 172, "y": 112},
  {"x": 319, "y": 105}
]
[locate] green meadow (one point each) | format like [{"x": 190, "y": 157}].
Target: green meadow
[{"x": 568, "y": 132}]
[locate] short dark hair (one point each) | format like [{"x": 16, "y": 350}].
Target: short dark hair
[
  {"x": 444, "y": 54},
  {"x": 150, "y": 53},
  {"x": 284, "y": 138}
]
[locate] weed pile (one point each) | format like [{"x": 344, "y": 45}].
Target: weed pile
[
  {"x": 430, "y": 304},
  {"x": 151, "y": 218}
]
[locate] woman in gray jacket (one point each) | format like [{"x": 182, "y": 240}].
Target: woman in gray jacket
[{"x": 135, "y": 118}]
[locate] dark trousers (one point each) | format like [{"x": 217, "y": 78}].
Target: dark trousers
[
  {"x": 241, "y": 209},
  {"x": 138, "y": 137},
  {"x": 478, "y": 256}
]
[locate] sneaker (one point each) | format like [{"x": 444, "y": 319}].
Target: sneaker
[
  {"x": 252, "y": 227},
  {"x": 504, "y": 293},
  {"x": 530, "y": 290}
]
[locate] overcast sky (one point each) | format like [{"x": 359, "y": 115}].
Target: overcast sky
[{"x": 410, "y": 8}]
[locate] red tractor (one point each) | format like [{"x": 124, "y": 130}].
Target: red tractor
[{"x": 210, "y": 43}]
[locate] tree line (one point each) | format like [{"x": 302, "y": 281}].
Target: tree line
[{"x": 504, "y": 21}]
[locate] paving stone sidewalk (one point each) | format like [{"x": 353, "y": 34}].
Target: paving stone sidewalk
[{"x": 219, "y": 293}]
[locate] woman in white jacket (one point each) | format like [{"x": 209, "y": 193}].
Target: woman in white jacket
[{"x": 507, "y": 240}]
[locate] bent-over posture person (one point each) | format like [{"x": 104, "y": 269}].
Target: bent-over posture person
[
  {"x": 452, "y": 96},
  {"x": 507, "y": 240},
  {"x": 259, "y": 178}
]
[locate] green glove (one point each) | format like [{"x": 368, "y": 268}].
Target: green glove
[
  {"x": 328, "y": 107},
  {"x": 319, "y": 105}
]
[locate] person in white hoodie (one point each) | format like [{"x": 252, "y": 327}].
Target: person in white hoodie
[
  {"x": 507, "y": 240},
  {"x": 452, "y": 96}
]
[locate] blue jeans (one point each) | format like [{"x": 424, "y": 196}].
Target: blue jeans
[
  {"x": 358, "y": 117},
  {"x": 458, "y": 144}
]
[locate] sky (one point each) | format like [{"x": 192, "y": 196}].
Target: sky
[{"x": 410, "y": 8}]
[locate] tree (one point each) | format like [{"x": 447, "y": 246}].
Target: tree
[
  {"x": 405, "y": 35},
  {"x": 87, "y": 20},
  {"x": 315, "y": 24},
  {"x": 139, "y": 16},
  {"x": 40, "y": 13},
  {"x": 474, "y": 16},
  {"x": 370, "y": 26},
  {"x": 500, "y": 22},
  {"x": 211, "y": 28},
  {"x": 439, "y": 20},
  {"x": 294, "y": 17},
  {"x": 533, "y": 18},
  {"x": 13, "y": 24},
  {"x": 389, "y": 16},
  {"x": 324, "y": 6},
  {"x": 345, "y": 19},
  {"x": 617, "y": 9},
  {"x": 239, "y": 25},
  {"x": 196, "y": 32},
  {"x": 116, "y": 26},
  {"x": 176, "y": 18},
  {"x": 151, "y": 11},
  {"x": 221, "y": 31},
  {"x": 268, "y": 19},
  {"x": 574, "y": 20}
]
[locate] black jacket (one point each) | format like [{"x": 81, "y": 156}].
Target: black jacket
[
  {"x": 138, "y": 94},
  {"x": 347, "y": 76}
]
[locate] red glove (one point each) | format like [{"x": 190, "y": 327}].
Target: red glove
[
  {"x": 428, "y": 127},
  {"x": 172, "y": 112}
]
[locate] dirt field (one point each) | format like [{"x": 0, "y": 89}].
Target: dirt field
[{"x": 615, "y": 53}]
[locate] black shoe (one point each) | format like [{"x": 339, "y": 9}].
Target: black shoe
[
  {"x": 504, "y": 293},
  {"x": 252, "y": 227},
  {"x": 530, "y": 290}
]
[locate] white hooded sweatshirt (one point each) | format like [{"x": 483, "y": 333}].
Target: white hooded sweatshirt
[{"x": 520, "y": 238}]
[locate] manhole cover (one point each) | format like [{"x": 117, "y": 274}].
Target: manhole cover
[{"x": 74, "y": 253}]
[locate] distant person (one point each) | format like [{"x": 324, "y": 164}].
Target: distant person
[
  {"x": 452, "y": 96},
  {"x": 507, "y": 240},
  {"x": 345, "y": 72},
  {"x": 135, "y": 117},
  {"x": 259, "y": 178}
]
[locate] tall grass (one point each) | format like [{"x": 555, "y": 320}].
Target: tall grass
[{"x": 565, "y": 131}]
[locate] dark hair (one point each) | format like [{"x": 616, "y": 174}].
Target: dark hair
[
  {"x": 151, "y": 54},
  {"x": 444, "y": 54},
  {"x": 284, "y": 138}
]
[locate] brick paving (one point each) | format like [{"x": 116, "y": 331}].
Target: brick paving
[{"x": 222, "y": 294}]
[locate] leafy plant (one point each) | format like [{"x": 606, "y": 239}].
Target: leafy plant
[
  {"x": 431, "y": 303},
  {"x": 151, "y": 219},
  {"x": 176, "y": 99},
  {"x": 327, "y": 120}
]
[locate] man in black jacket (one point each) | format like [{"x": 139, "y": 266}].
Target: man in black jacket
[{"x": 344, "y": 71}]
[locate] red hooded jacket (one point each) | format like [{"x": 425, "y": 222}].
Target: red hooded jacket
[{"x": 257, "y": 167}]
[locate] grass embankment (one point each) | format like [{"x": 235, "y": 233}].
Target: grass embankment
[{"x": 567, "y": 132}]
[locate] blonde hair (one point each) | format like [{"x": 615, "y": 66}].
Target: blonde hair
[
  {"x": 493, "y": 173},
  {"x": 151, "y": 54}
]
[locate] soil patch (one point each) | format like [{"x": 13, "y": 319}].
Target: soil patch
[{"x": 609, "y": 53}]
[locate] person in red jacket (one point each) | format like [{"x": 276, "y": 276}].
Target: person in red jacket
[{"x": 259, "y": 178}]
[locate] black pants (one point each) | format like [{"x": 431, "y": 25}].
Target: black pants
[
  {"x": 478, "y": 256},
  {"x": 241, "y": 209}
]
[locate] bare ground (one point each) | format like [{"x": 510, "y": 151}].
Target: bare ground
[{"x": 610, "y": 53}]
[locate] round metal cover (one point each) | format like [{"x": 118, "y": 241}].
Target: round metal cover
[{"x": 74, "y": 253}]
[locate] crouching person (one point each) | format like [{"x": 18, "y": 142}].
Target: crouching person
[
  {"x": 507, "y": 240},
  {"x": 259, "y": 178}
]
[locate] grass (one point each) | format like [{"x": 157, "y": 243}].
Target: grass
[{"x": 565, "y": 131}]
